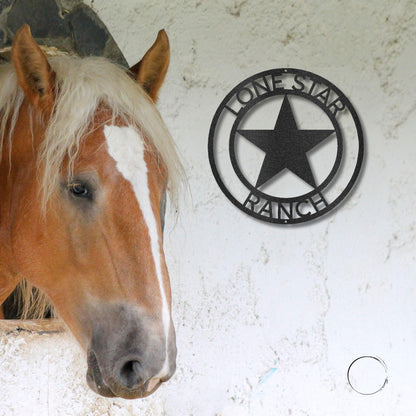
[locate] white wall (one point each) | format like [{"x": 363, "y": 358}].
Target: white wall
[{"x": 268, "y": 318}]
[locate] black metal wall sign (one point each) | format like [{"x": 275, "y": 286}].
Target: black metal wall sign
[{"x": 286, "y": 146}]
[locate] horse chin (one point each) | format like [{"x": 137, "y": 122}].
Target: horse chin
[{"x": 95, "y": 379}]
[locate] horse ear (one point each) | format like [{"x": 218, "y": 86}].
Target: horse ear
[
  {"x": 151, "y": 70},
  {"x": 33, "y": 71}
]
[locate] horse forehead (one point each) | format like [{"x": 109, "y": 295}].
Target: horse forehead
[{"x": 127, "y": 148}]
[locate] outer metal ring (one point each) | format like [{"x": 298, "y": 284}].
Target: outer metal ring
[{"x": 380, "y": 361}]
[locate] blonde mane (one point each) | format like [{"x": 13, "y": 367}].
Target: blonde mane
[{"x": 82, "y": 85}]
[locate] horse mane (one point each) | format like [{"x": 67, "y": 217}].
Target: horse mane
[
  {"x": 28, "y": 302},
  {"x": 83, "y": 85}
]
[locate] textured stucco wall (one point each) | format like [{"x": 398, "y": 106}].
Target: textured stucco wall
[{"x": 268, "y": 318}]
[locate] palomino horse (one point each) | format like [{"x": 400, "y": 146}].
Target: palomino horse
[{"x": 85, "y": 164}]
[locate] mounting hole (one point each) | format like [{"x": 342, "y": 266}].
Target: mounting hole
[{"x": 367, "y": 375}]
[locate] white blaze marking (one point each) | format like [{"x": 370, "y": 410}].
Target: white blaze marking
[{"x": 126, "y": 147}]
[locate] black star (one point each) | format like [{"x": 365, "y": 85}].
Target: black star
[{"x": 286, "y": 146}]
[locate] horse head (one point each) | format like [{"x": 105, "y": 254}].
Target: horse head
[{"x": 86, "y": 163}]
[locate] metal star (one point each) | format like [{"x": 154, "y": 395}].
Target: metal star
[{"x": 286, "y": 146}]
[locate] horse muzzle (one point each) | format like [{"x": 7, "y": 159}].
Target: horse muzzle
[
  {"x": 129, "y": 358},
  {"x": 128, "y": 383}
]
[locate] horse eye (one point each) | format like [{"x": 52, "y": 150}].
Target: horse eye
[{"x": 79, "y": 190}]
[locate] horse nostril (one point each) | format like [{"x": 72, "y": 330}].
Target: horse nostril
[{"x": 130, "y": 374}]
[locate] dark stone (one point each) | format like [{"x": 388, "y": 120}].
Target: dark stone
[
  {"x": 113, "y": 53},
  {"x": 43, "y": 17},
  {"x": 90, "y": 36},
  {"x": 4, "y": 8},
  {"x": 68, "y": 25},
  {"x": 4, "y": 4},
  {"x": 3, "y": 37}
]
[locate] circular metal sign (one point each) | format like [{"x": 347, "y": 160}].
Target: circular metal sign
[{"x": 286, "y": 146}]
